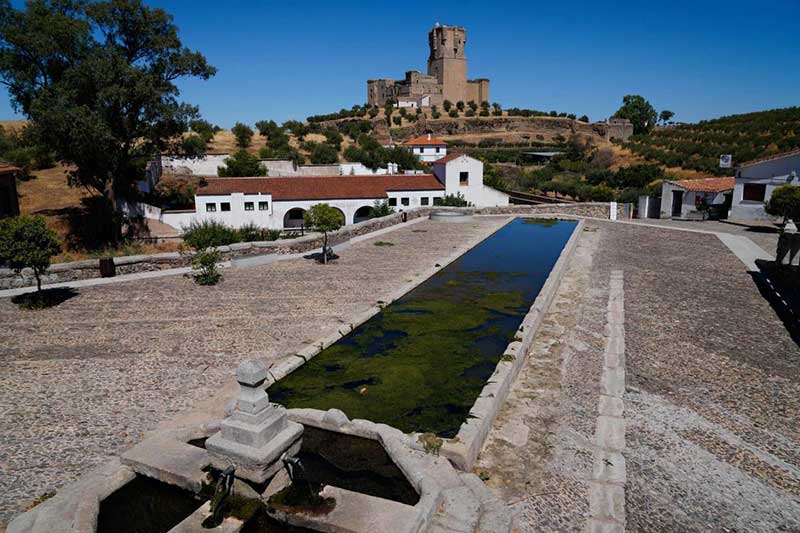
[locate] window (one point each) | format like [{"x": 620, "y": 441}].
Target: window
[
  {"x": 463, "y": 178},
  {"x": 263, "y": 206},
  {"x": 754, "y": 192},
  {"x": 404, "y": 201},
  {"x": 393, "y": 201},
  {"x": 437, "y": 149},
  {"x": 224, "y": 206},
  {"x": 248, "y": 206},
  {"x": 423, "y": 200},
  {"x": 210, "y": 208},
  {"x": 421, "y": 150},
  {"x": 437, "y": 201}
]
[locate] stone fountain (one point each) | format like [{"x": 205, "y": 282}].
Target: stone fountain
[{"x": 257, "y": 435}]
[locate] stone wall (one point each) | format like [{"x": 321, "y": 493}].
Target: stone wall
[{"x": 90, "y": 268}]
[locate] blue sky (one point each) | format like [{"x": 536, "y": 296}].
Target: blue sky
[{"x": 287, "y": 60}]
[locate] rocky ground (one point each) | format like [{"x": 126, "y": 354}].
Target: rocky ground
[
  {"x": 712, "y": 400},
  {"x": 83, "y": 381}
]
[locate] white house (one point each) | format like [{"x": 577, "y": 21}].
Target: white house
[
  {"x": 463, "y": 174},
  {"x": 279, "y": 203},
  {"x": 681, "y": 198},
  {"x": 427, "y": 148},
  {"x": 756, "y": 180}
]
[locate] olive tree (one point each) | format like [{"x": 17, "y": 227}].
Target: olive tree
[
  {"x": 97, "y": 80},
  {"x": 27, "y": 242},
  {"x": 324, "y": 218}
]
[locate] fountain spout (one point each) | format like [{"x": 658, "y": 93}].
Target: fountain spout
[{"x": 221, "y": 492}]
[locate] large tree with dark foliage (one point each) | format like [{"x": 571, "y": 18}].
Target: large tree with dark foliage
[
  {"x": 639, "y": 111},
  {"x": 97, "y": 81}
]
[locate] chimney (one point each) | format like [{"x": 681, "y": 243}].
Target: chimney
[{"x": 429, "y": 136}]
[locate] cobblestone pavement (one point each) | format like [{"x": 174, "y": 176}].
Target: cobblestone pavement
[
  {"x": 764, "y": 234},
  {"x": 712, "y": 402},
  {"x": 83, "y": 381}
]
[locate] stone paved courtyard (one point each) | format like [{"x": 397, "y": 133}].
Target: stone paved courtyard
[
  {"x": 712, "y": 400},
  {"x": 83, "y": 381},
  {"x": 711, "y": 406}
]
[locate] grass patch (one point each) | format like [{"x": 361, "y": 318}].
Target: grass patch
[{"x": 384, "y": 243}]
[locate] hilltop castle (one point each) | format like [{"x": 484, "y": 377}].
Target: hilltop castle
[{"x": 446, "y": 78}]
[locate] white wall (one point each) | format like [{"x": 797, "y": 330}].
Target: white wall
[
  {"x": 772, "y": 174},
  {"x": 689, "y": 200},
  {"x": 200, "y": 166},
  {"x": 474, "y": 191}
]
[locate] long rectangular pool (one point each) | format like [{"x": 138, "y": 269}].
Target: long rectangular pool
[{"x": 420, "y": 363}]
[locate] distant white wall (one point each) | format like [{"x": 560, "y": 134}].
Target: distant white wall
[
  {"x": 199, "y": 166},
  {"x": 689, "y": 200},
  {"x": 769, "y": 174},
  {"x": 429, "y": 153}
]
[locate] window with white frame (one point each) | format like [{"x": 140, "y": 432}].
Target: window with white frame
[
  {"x": 224, "y": 206},
  {"x": 392, "y": 202},
  {"x": 404, "y": 201},
  {"x": 423, "y": 201},
  {"x": 249, "y": 206},
  {"x": 210, "y": 208},
  {"x": 263, "y": 206}
]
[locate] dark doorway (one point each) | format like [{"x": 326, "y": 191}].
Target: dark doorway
[{"x": 677, "y": 202}]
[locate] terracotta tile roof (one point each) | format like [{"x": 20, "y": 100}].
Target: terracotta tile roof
[
  {"x": 425, "y": 140},
  {"x": 8, "y": 168},
  {"x": 322, "y": 187},
  {"x": 770, "y": 157},
  {"x": 706, "y": 184},
  {"x": 448, "y": 158}
]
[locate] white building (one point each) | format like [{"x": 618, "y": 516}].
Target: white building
[
  {"x": 756, "y": 180},
  {"x": 427, "y": 148},
  {"x": 464, "y": 174},
  {"x": 679, "y": 199},
  {"x": 279, "y": 203}
]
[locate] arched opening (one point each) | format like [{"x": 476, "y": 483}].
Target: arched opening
[
  {"x": 294, "y": 218},
  {"x": 344, "y": 218},
  {"x": 362, "y": 213}
]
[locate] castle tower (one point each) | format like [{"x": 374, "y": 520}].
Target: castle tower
[{"x": 447, "y": 62}]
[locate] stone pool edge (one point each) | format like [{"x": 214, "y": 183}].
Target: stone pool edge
[{"x": 464, "y": 448}]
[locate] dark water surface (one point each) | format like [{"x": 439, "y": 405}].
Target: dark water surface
[{"x": 420, "y": 363}]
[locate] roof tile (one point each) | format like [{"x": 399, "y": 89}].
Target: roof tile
[
  {"x": 706, "y": 184},
  {"x": 425, "y": 140}
]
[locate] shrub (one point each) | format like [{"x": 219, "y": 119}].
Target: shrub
[
  {"x": 453, "y": 113},
  {"x": 584, "y": 118},
  {"x": 454, "y": 200},
  {"x": 484, "y": 113},
  {"x": 447, "y": 105},
  {"x": 470, "y": 113},
  {"x": 472, "y": 105},
  {"x": 322, "y": 153},
  {"x": 435, "y": 115},
  {"x": 193, "y": 146},
  {"x": 27, "y": 242},
  {"x": 204, "y": 264},
  {"x": 209, "y": 234},
  {"x": 785, "y": 202},
  {"x": 203, "y": 128},
  {"x": 380, "y": 209},
  {"x": 397, "y": 120},
  {"x": 243, "y": 135},
  {"x": 242, "y": 164}
]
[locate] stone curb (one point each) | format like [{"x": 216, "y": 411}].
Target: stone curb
[
  {"x": 464, "y": 449},
  {"x": 609, "y": 473}
]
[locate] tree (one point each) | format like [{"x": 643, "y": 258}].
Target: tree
[
  {"x": 785, "y": 202},
  {"x": 472, "y": 105},
  {"x": 460, "y": 105},
  {"x": 397, "y": 120},
  {"x": 324, "y": 218},
  {"x": 243, "y": 135},
  {"x": 380, "y": 209},
  {"x": 193, "y": 146},
  {"x": 203, "y": 128},
  {"x": 242, "y": 164},
  {"x": 447, "y": 104},
  {"x": 497, "y": 110},
  {"x": 666, "y": 116},
  {"x": 97, "y": 81},
  {"x": 584, "y": 118},
  {"x": 322, "y": 153},
  {"x": 333, "y": 138},
  {"x": 639, "y": 111},
  {"x": 454, "y": 200},
  {"x": 27, "y": 242},
  {"x": 453, "y": 113}
]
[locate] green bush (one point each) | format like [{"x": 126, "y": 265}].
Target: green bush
[
  {"x": 209, "y": 234},
  {"x": 204, "y": 264},
  {"x": 27, "y": 242},
  {"x": 454, "y": 200},
  {"x": 785, "y": 202},
  {"x": 453, "y": 113},
  {"x": 243, "y": 135},
  {"x": 242, "y": 164},
  {"x": 380, "y": 209}
]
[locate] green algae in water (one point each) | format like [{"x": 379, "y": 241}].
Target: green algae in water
[{"x": 421, "y": 362}]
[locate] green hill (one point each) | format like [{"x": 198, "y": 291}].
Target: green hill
[{"x": 698, "y": 146}]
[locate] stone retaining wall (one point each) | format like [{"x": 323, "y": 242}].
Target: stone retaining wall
[{"x": 90, "y": 268}]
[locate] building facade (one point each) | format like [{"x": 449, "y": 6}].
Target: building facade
[
  {"x": 756, "y": 180},
  {"x": 680, "y": 199},
  {"x": 462, "y": 174},
  {"x": 427, "y": 148},
  {"x": 279, "y": 203},
  {"x": 446, "y": 78}
]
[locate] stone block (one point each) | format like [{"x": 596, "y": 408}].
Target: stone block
[
  {"x": 610, "y": 433},
  {"x": 607, "y": 501},
  {"x": 613, "y": 381},
  {"x": 610, "y": 406},
  {"x": 609, "y": 467},
  {"x": 335, "y": 418}
]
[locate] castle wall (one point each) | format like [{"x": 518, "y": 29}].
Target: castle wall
[{"x": 478, "y": 90}]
